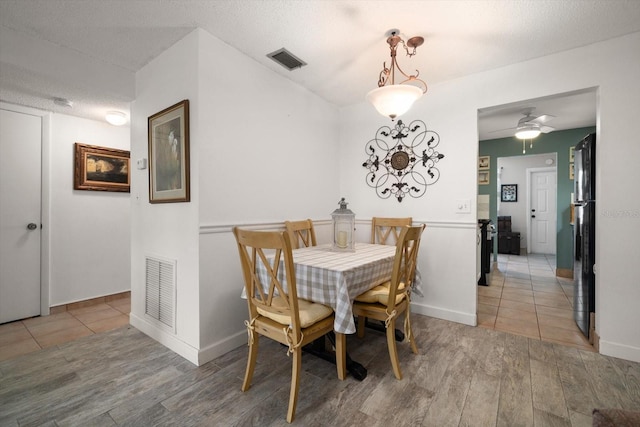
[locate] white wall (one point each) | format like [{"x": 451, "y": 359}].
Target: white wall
[
  {"x": 89, "y": 230},
  {"x": 262, "y": 150},
  {"x": 269, "y": 154},
  {"x": 447, "y": 256}
]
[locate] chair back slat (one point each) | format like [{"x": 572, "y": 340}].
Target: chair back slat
[
  {"x": 267, "y": 266},
  {"x": 301, "y": 232},
  {"x": 386, "y": 231},
  {"x": 406, "y": 259}
]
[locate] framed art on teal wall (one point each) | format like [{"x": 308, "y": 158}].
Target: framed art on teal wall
[{"x": 483, "y": 177}]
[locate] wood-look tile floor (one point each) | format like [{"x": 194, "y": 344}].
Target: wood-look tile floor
[
  {"x": 29, "y": 335},
  {"x": 462, "y": 376},
  {"x": 526, "y": 298}
]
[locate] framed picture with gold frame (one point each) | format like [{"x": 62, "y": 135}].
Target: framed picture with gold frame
[
  {"x": 484, "y": 162},
  {"x": 483, "y": 177},
  {"x": 101, "y": 169},
  {"x": 168, "y": 133}
]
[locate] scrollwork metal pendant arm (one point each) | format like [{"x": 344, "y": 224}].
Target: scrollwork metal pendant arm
[{"x": 388, "y": 74}]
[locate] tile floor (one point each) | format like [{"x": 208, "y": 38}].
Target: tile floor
[
  {"x": 78, "y": 320},
  {"x": 526, "y": 298}
]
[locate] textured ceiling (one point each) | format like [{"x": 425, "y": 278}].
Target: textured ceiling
[{"x": 89, "y": 50}]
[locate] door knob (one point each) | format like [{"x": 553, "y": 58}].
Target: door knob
[
  {"x": 32, "y": 226},
  {"x": 533, "y": 210},
  {"x": 533, "y": 216}
]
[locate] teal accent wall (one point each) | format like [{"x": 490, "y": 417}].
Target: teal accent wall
[{"x": 555, "y": 142}]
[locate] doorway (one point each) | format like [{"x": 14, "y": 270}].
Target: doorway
[
  {"x": 542, "y": 208},
  {"x": 23, "y": 287}
]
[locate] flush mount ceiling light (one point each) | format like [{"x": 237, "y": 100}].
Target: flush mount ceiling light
[
  {"x": 391, "y": 99},
  {"x": 116, "y": 118}
]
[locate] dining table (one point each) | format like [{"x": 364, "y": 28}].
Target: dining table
[{"x": 335, "y": 278}]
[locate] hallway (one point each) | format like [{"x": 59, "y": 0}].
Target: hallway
[{"x": 526, "y": 298}]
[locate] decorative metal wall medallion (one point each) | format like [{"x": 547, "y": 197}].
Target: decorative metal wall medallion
[{"x": 394, "y": 155}]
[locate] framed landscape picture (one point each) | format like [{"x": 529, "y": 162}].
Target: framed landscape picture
[
  {"x": 169, "y": 154},
  {"x": 101, "y": 169}
]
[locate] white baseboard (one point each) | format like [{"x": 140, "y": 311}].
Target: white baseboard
[
  {"x": 439, "y": 313},
  {"x": 620, "y": 351},
  {"x": 221, "y": 347},
  {"x": 168, "y": 340}
]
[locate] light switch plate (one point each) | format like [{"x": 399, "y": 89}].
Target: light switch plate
[
  {"x": 141, "y": 164},
  {"x": 463, "y": 206}
]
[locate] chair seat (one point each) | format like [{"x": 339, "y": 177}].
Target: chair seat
[
  {"x": 380, "y": 294},
  {"x": 310, "y": 312}
]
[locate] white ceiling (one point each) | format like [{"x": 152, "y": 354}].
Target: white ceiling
[{"x": 89, "y": 50}]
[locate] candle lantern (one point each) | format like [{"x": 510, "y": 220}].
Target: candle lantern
[{"x": 344, "y": 224}]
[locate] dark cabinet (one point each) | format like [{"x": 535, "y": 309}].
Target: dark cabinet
[{"x": 508, "y": 241}]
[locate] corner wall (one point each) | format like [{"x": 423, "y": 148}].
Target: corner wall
[{"x": 262, "y": 151}]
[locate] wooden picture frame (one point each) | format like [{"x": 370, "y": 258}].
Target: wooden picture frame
[
  {"x": 168, "y": 133},
  {"x": 509, "y": 193},
  {"x": 484, "y": 162},
  {"x": 101, "y": 169},
  {"x": 483, "y": 178}
]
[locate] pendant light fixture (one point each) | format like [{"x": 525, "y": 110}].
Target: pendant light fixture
[{"x": 393, "y": 99}]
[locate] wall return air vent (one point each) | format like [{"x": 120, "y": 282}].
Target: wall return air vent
[
  {"x": 160, "y": 292},
  {"x": 286, "y": 59}
]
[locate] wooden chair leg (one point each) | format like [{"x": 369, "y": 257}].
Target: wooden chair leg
[
  {"x": 341, "y": 355},
  {"x": 295, "y": 383},
  {"x": 393, "y": 350},
  {"x": 360, "y": 326},
  {"x": 251, "y": 363},
  {"x": 412, "y": 339}
]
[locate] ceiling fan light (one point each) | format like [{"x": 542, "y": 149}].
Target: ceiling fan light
[
  {"x": 528, "y": 131},
  {"x": 116, "y": 118},
  {"x": 394, "y": 100}
]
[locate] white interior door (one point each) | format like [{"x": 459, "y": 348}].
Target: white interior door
[
  {"x": 20, "y": 215},
  {"x": 543, "y": 207}
]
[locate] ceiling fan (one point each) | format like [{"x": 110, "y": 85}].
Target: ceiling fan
[{"x": 531, "y": 126}]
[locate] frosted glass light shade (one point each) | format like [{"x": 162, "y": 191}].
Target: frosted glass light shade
[
  {"x": 394, "y": 100},
  {"x": 528, "y": 131},
  {"x": 116, "y": 118}
]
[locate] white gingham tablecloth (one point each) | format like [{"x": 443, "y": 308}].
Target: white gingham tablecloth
[{"x": 336, "y": 278}]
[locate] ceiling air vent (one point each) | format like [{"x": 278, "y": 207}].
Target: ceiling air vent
[{"x": 286, "y": 59}]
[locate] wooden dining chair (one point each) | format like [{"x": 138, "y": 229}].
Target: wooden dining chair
[
  {"x": 386, "y": 231},
  {"x": 388, "y": 301},
  {"x": 301, "y": 231},
  {"x": 275, "y": 311}
]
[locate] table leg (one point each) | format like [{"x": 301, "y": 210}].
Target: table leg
[
  {"x": 379, "y": 326},
  {"x": 318, "y": 349}
]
